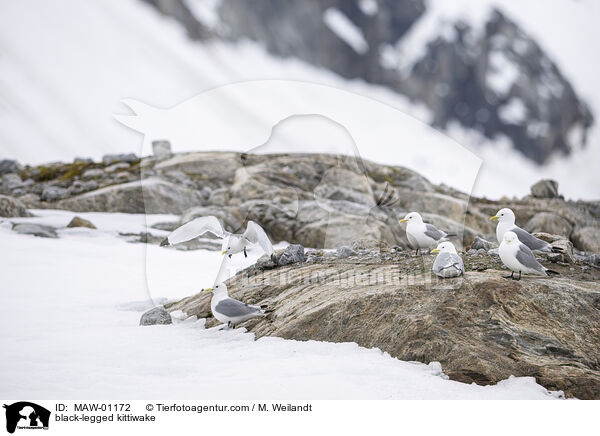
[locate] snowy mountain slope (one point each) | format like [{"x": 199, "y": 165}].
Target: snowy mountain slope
[
  {"x": 59, "y": 333},
  {"x": 62, "y": 76}
]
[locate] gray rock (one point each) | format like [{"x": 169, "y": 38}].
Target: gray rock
[
  {"x": 545, "y": 188},
  {"x": 53, "y": 193},
  {"x": 80, "y": 186},
  {"x": 11, "y": 207},
  {"x": 9, "y": 166},
  {"x": 83, "y": 160},
  {"x": 587, "y": 239},
  {"x": 230, "y": 217},
  {"x": 480, "y": 243},
  {"x": 549, "y": 222},
  {"x": 93, "y": 173},
  {"x": 81, "y": 222},
  {"x": 35, "y": 230},
  {"x": 344, "y": 252},
  {"x": 161, "y": 149},
  {"x": 293, "y": 253},
  {"x": 148, "y": 196},
  {"x": 109, "y": 159},
  {"x": 156, "y": 316},
  {"x": 116, "y": 167},
  {"x": 11, "y": 181}
]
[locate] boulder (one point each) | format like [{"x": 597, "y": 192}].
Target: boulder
[
  {"x": 80, "y": 186},
  {"x": 10, "y": 181},
  {"x": 344, "y": 252},
  {"x": 53, "y": 193},
  {"x": 587, "y": 239},
  {"x": 156, "y": 316},
  {"x": 480, "y": 243},
  {"x": 93, "y": 173},
  {"x": 11, "y": 207},
  {"x": 481, "y": 327},
  {"x": 545, "y": 188},
  {"x": 293, "y": 253},
  {"x": 549, "y": 222},
  {"x": 35, "y": 230},
  {"x": 9, "y": 166},
  {"x": 152, "y": 195},
  {"x": 161, "y": 150},
  {"x": 81, "y": 222}
]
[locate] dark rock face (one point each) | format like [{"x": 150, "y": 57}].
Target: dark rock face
[
  {"x": 9, "y": 166},
  {"x": 156, "y": 316},
  {"x": 482, "y": 328},
  {"x": 495, "y": 79},
  {"x": 11, "y": 207}
]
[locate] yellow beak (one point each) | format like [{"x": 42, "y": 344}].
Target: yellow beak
[
  {"x": 208, "y": 289},
  {"x": 403, "y": 220},
  {"x": 224, "y": 252},
  {"x": 494, "y": 218},
  {"x": 435, "y": 251}
]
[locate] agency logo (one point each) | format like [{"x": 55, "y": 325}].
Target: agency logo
[{"x": 26, "y": 415}]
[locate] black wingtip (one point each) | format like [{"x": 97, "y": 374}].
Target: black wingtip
[
  {"x": 551, "y": 272},
  {"x": 557, "y": 250},
  {"x": 165, "y": 242}
]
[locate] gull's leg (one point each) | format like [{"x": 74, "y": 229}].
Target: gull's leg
[
  {"x": 245, "y": 254},
  {"x": 510, "y": 276},
  {"x": 230, "y": 256},
  {"x": 417, "y": 252}
]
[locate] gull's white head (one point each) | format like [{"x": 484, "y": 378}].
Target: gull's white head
[
  {"x": 219, "y": 288},
  {"x": 413, "y": 217},
  {"x": 504, "y": 215},
  {"x": 445, "y": 247},
  {"x": 510, "y": 238},
  {"x": 234, "y": 244}
]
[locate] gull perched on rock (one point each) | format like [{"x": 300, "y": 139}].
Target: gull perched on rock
[
  {"x": 506, "y": 222},
  {"x": 236, "y": 242},
  {"x": 447, "y": 263},
  {"x": 421, "y": 235},
  {"x": 231, "y": 311},
  {"x": 518, "y": 257}
]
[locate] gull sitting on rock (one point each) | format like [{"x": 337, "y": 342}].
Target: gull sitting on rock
[
  {"x": 447, "y": 263},
  {"x": 519, "y": 258},
  {"x": 230, "y": 311},
  {"x": 236, "y": 242},
  {"x": 421, "y": 235},
  {"x": 506, "y": 222}
]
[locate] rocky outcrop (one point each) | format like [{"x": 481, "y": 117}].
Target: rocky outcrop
[
  {"x": 10, "y": 207},
  {"x": 482, "y": 327}
]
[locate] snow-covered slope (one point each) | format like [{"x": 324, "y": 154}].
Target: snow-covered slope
[
  {"x": 72, "y": 333},
  {"x": 66, "y": 65}
]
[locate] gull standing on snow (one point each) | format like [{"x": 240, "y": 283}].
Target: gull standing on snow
[
  {"x": 506, "y": 222},
  {"x": 519, "y": 258},
  {"x": 421, "y": 235},
  {"x": 447, "y": 263},
  {"x": 231, "y": 311},
  {"x": 236, "y": 242}
]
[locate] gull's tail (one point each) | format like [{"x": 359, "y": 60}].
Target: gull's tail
[
  {"x": 551, "y": 272},
  {"x": 557, "y": 249}
]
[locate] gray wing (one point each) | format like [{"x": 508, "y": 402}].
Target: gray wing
[
  {"x": 448, "y": 265},
  {"x": 530, "y": 240},
  {"x": 195, "y": 228},
  {"x": 234, "y": 308},
  {"x": 526, "y": 258},
  {"x": 255, "y": 234},
  {"x": 433, "y": 232}
]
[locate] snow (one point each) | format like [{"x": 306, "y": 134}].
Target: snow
[
  {"x": 69, "y": 329},
  {"x": 59, "y": 92},
  {"x": 369, "y": 7},
  {"x": 513, "y": 112},
  {"x": 502, "y": 73},
  {"x": 341, "y": 25}
]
